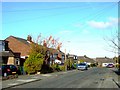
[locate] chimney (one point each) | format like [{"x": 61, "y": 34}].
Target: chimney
[{"x": 29, "y": 38}]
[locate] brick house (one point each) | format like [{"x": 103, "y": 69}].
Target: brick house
[
  {"x": 6, "y": 55},
  {"x": 20, "y": 47},
  {"x": 56, "y": 56}
]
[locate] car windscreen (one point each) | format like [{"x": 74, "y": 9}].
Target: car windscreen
[{"x": 82, "y": 64}]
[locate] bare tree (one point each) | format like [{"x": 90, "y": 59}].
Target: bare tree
[{"x": 113, "y": 43}]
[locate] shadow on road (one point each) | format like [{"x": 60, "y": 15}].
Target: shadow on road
[{"x": 117, "y": 72}]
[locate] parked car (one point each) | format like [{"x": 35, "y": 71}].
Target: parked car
[
  {"x": 110, "y": 66},
  {"x": 82, "y": 66},
  {"x": 8, "y": 70}
]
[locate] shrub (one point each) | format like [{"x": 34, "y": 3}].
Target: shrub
[
  {"x": 62, "y": 67},
  {"x": 55, "y": 67},
  {"x": 33, "y": 63},
  {"x": 117, "y": 65},
  {"x": 74, "y": 66},
  {"x": 93, "y": 65}
]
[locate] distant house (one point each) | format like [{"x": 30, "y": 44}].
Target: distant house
[
  {"x": 6, "y": 55},
  {"x": 72, "y": 57},
  {"x": 20, "y": 47},
  {"x": 104, "y": 61},
  {"x": 86, "y": 59},
  {"x": 57, "y": 56}
]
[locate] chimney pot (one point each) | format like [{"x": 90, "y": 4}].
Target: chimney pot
[{"x": 29, "y": 38}]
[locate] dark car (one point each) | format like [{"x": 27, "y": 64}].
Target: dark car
[
  {"x": 110, "y": 66},
  {"x": 82, "y": 66},
  {"x": 8, "y": 70}
]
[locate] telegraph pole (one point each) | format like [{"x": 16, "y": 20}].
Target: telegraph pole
[{"x": 65, "y": 61}]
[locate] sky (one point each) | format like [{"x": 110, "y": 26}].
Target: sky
[{"x": 82, "y": 27}]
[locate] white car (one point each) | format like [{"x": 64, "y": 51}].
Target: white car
[
  {"x": 57, "y": 61},
  {"x": 82, "y": 66}
]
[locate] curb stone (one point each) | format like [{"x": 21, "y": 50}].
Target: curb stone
[{"x": 21, "y": 84}]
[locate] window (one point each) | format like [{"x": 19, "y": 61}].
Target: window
[{"x": 17, "y": 61}]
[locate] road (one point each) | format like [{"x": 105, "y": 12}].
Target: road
[{"x": 91, "y": 78}]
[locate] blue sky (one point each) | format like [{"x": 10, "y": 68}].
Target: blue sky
[{"x": 80, "y": 26}]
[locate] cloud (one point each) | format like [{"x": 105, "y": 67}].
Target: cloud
[{"x": 112, "y": 22}]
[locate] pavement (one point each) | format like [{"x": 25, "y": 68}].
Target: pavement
[
  {"x": 112, "y": 81},
  {"x": 116, "y": 77}
]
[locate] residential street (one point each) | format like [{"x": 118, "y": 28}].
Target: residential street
[{"x": 91, "y": 78}]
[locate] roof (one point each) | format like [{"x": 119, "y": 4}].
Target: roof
[
  {"x": 6, "y": 54},
  {"x": 25, "y": 49},
  {"x": 18, "y": 45},
  {"x": 104, "y": 60},
  {"x": 86, "y": 59},
  {"x": 21, "y": 40}
]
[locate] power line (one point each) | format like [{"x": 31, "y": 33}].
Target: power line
[{"x": 52, "y": 15}]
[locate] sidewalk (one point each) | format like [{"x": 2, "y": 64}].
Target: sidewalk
[
  {"x": 116, "y": 76},
  {"x": 23, "y": 79}
]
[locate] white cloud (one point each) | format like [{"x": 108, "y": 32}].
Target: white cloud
[
  {"x": 112, "y": 22},
  {"x": 99, "y": 25}
]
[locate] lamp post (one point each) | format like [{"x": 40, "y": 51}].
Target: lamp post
[{"x": 65, "y": 61}]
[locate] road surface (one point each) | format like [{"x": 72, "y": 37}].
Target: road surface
[{"x": 91, "y": 78}]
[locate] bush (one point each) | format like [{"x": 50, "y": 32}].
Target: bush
[
  {"x": 69, "y": 63},
  {"x": 62, "y": 67},
  {"x": 117, "y": 65},
  {"x": 33, "y": 63},
  {"x": 55, "y": 67},
  {"x": 93, "y": 65},
  {"x": 74, "y": 66}
]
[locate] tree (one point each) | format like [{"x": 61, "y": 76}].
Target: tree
[
  {"x": 51, "y": 44},
  {"x": 33, "y": 63},
  {"x": 39, "y": 59},
  {"x": 113, "y": 43},
  {"x": 35, "y": 60}
]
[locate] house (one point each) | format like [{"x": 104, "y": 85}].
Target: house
[
  {"x": 6, "y": 55},
  {"x": 104, "y": 61},
  {"x": 23, "y": 46},
  {"x": 72, "y": 57},
  {"x": 20, "y": 47},
  {"x": 57, "y": 56},
  {"x": 86, "y": 59}
]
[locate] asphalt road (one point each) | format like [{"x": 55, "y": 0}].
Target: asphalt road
[{"x": 91, "y": 78}]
